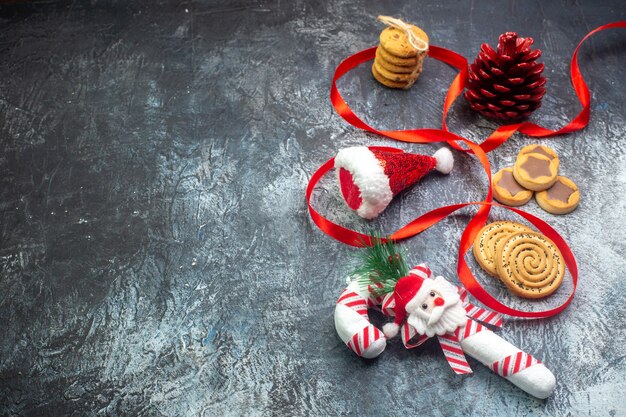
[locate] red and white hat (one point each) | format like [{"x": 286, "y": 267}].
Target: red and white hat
[
  {"x": 370, "y": 178},
  {"x": 414, "y": 289}
]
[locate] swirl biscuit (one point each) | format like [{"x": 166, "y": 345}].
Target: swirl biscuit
[
  {"x": 530, "y": 265},
  {"x": 486, "y": 243}
]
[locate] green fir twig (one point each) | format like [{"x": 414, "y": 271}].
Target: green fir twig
[{"x": 380, "y": 265}]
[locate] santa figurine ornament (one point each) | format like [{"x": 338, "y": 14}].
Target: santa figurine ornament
[
  {"x": 369, "y": 178},
  {"x": 431, "y": 306},
  {"x": 425, "y": 307}
]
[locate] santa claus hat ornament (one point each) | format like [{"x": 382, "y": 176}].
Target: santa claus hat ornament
[
  {"x": 409, "y": 289},
  {"x": 370, "y": 178},
  {"x": 409, "y": 294}
]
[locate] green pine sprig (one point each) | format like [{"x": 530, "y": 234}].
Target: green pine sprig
[{"x": 382, "y": 264}]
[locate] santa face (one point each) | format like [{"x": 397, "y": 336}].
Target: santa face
[
  {"x": 434, "y": 300},
  {"x": 436, "y": 310}
]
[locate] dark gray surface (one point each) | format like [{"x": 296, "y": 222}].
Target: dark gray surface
[{"x": 156, "y": 256}]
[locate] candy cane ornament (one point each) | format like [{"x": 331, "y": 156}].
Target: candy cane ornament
[
  {"x": 510, "y": 362},
  {"x": 424, "y": 307},
  {"x": 353, "y": 325}
]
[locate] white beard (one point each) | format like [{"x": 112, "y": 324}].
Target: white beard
[{"x": 452, "y": 312}]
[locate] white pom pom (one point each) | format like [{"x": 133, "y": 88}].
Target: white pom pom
[
  {"x": 445, "y": 160},
  {"x": 390, "y": 330}
]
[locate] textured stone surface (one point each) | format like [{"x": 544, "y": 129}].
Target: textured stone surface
[{"x": 156, "y": 255}]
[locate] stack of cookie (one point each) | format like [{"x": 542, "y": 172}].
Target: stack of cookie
[
  {"x": 536, "y": 169},
  {"x": 398, "y": 64},
  {"x": 528, "y": 263}
]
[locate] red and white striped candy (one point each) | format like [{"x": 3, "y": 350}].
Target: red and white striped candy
[
  {"x": 421, "y": 270},
  {"x": 353, "y": 325},
  {"x": 363, "y": 340},
  {"x": 471, "y": 327},
  {"x": 513, "y": 364},
  {"x": 388, "y": 305},
  {"x": 373, "y": 300},
  {"x": 506, "y": 360},
  {"x": 353, "y": 300}
]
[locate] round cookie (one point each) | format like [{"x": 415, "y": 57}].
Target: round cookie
[
  {"x": 391, "y": 84},
  {"x": 396, "y": 68},
  {"x": 535, "y": 172},
  {"x": 540, "y": 149},
  {"x": 530, "y": 265},
  {"x": 486, "y": 243},
  {"x": 396, "y": 42},
  {"x": 561, "y": 198},
  {"x": 395, "y": 60},
  {"x": 395, "y": 76},
  {"x": 507, "y": 191}
]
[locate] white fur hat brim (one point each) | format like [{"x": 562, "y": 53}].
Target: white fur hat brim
[{"x": 369, "y": 176}]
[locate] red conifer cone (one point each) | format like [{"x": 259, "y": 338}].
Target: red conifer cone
[{"x": 506, "y": 84}]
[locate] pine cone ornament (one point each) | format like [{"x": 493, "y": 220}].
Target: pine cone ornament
[{"x": 506, "y": 84}]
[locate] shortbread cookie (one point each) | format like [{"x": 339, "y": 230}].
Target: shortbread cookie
[
  {"x": 394, "y": 76},
  {"x": 391, "y": 84},
  {"x": 396, "y": 60},
  {"x": 530, "y": 265},
  {"x": 535, "y": 172},
  {"x": 561, "y": 198},
  {"x": 507, "y": 191},
  {"x": 396, "y": 42},
  {"x": 540, "y": 149},
  {"x": 396, "y": 68},
  {"x": 486, "y": 242}
]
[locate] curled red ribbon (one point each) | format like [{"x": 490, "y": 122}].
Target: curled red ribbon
[{"x": 497, "y": 138}]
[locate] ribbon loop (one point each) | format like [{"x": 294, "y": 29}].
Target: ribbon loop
[
  {"x": 453, "y": 352},
  {"x": 408, "y": 332},
  {"x": 478, "y": 313}
]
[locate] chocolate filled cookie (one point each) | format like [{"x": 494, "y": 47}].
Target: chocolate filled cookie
[
  {"x": 561, "y": 198},
  {"x": 535, "y": 171},
  {"x": 507, "y": 191},
  {"x": 540, "y": 149}
]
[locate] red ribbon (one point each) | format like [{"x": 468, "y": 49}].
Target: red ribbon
[{"x": 497, "y": 138}]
